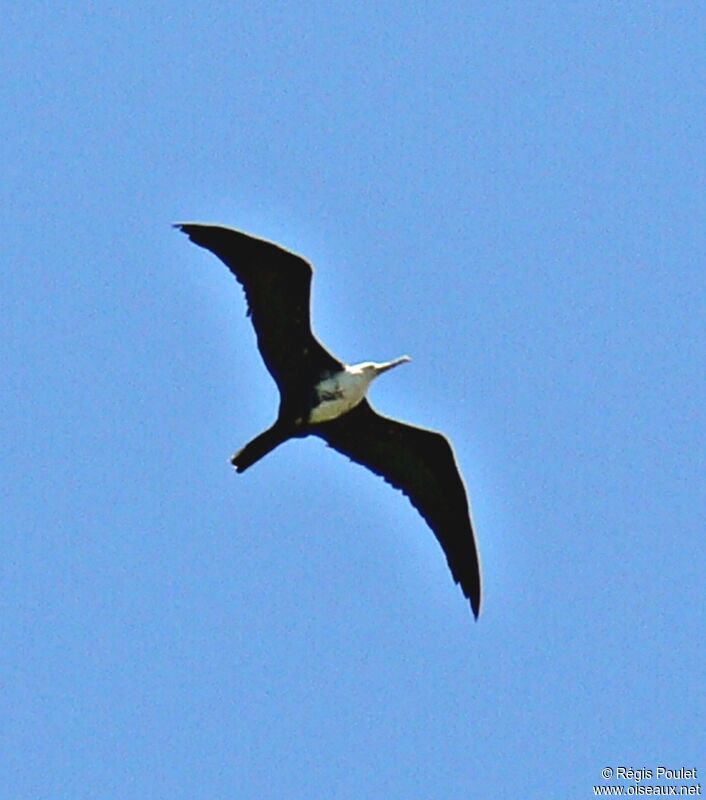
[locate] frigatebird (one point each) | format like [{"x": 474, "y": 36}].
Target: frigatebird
[{"x": 321, "y": 395}]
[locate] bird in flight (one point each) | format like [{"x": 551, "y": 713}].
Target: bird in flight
[{"x": 324, "y": 397}]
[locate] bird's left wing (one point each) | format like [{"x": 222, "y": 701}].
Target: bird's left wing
[
  {"x": 421, "y": 463},
  {"x": 277, "y": 286}
]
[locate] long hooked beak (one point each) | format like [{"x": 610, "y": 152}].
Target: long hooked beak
[{"x": 390, "y": 364}]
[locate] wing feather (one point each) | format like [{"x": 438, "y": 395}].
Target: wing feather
[
  {"x": 277, "y": 286},
  {"x": 421, "y": 464}
]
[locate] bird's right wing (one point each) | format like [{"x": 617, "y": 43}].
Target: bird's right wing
[
  {"x": 421, "y": 463},
  {"x": 277, "y": 287}
]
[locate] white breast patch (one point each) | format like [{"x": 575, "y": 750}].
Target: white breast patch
[{"x": 337, "y": 395}]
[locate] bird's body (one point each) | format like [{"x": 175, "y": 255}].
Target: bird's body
[
  {"x": 341, "y": 391},
  {"x": 322, "y": 396}
]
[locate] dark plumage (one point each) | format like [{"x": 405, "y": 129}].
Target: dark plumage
[{"x": 320, "y": 395}]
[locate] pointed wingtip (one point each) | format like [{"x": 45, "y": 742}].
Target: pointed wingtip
[
  {"x": 190, "y": 229},
  {"x": 474, "y": 598}
]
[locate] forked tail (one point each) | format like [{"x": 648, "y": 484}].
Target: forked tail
[{"x": 260, "y": 446}]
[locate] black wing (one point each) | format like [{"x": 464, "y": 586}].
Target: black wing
[
  {"x": 277, "y": 287},
  {"x": 421, "y": 463}
]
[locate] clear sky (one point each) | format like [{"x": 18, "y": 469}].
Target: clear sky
[{"x": 512, "y": 193}]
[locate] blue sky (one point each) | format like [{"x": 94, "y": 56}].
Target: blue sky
[{"x": 511, "y": 193}]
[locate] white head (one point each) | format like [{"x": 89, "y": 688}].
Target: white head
[{"x": 371, "y": 369}]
